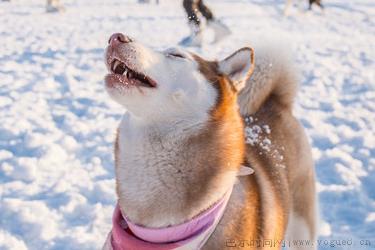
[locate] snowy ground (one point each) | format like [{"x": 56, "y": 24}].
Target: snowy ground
[{"x": 57, "y": 123}]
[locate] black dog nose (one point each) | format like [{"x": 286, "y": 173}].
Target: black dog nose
[{"x": 119, "y": 38}]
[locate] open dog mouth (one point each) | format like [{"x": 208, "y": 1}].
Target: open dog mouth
[{"x": 128, "y": 76}]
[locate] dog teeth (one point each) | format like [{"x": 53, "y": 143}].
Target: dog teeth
[
  {"x": 115, "y": 65},
  {"x": 127, "y": 72}
]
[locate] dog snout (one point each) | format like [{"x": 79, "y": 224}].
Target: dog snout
[{"x": 118, "y": 38}]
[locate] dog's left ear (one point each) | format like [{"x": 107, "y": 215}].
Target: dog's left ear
[{"x": 238, "y": 66}]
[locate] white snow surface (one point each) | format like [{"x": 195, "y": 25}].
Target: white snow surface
[{"x": 57, "y": 188}]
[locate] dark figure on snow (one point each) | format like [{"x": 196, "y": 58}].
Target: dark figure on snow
[
  {"x": 311, "y": 3},
  {"x": 194, "y": 9},
  {"x": 317, "y": 2}
]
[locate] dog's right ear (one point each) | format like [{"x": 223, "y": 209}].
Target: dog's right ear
[{"x": 238, "y": 66}]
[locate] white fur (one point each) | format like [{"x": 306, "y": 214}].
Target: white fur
[
  {"x": 181, "y": 90},
  {"x": 151, "y": 170},
  {"x": 147, "y": 171},
  {"x": 298, "y": 232},
  {"x": 273, "y": 61}
]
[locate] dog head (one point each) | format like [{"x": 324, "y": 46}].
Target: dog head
[{"x": 161, "y": 86}]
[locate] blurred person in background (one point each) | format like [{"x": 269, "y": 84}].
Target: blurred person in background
[
  {"x": 194, "y": 9},
  {"x": 51, "y": 6}
]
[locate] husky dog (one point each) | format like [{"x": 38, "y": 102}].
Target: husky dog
[{"x": 191, "y": 125}]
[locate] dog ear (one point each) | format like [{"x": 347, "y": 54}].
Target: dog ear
[{"x": 238, "y": 66}]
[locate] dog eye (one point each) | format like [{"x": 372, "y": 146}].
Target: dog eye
[{"x": 176, "y": 55}]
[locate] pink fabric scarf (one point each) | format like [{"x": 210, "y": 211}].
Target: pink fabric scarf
[{"x": 192, "y": 234}]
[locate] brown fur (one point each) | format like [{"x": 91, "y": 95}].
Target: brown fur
[
  {"x": 260, "y": 204},
  {"x": 215, "y": 142},
  {"x": 262, "y": 215},
  {"x": 223, "y": 133}
]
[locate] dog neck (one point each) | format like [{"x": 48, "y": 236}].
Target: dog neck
[{"x": 168, "y": 173}]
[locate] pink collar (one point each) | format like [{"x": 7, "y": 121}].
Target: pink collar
[{"x": 192, "y": 234}]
